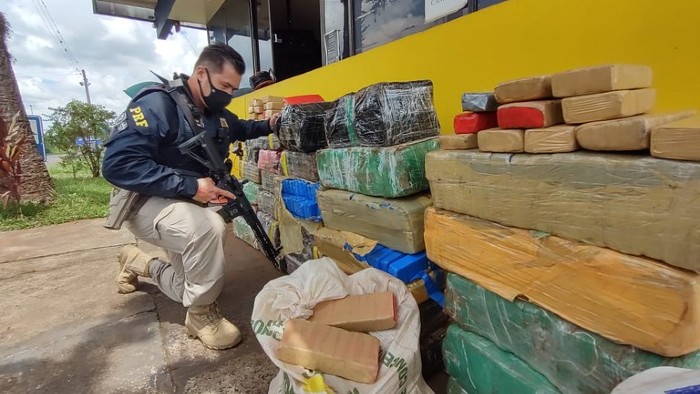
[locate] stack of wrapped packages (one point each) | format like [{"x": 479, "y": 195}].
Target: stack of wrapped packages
[
  {"x": 570, "y": 271},
  {"x": 374, "y": 193},
  {"x": 265, "y": 107},
  {"x": 261, "y": 169}
]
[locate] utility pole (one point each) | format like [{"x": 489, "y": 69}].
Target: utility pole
[{"x": 86, "y": 84}]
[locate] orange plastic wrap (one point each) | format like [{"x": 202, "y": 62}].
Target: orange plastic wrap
[{"x": 627, "y": 299}]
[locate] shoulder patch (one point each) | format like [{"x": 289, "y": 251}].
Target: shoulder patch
[{"x": 138, "y": 116}]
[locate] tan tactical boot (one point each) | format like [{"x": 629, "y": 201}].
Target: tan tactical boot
[
  {"x": 133, "y": 263},
  {"x": 207, "y": 324}
]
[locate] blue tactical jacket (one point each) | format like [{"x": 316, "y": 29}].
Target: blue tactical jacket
[{"x": 143, "y": 155}]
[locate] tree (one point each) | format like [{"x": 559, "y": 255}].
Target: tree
[
  {"x": 35, "y": 179},
  {"x": 80, "y": 129},
  {"x": 11, "y": 144}
]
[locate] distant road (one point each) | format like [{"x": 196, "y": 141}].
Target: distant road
[{"x": 52, "y": 159}]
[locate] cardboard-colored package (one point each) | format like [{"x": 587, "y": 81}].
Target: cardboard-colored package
[
  {"x": 274, "y": 105},
  {"x": 362, "y": 313},
  {"x": 396, "y": 223},
  {"x": 525, "y": 89},
  {"x": 625, "y": 134},
  {"x": 459, "y": 141},
  {"x": 555, "y": 139},
  {"x": 610, "y": 105},
  {"x": 501, "y": 140},
  {"x": 601, "y": 79},
  {"x": 332, "y": 243},
  {"x": 270, "y": 112},
  {"x": 258, "y": 109},
  {"x": 272, "y": 99},
  {"x": 627, "y": 299},
  {"x": 634, "y": 204},
  {"x": 350, "y": 355},
  {"x": 530, "y": 114},
  {"x": 679, "y": 140}
]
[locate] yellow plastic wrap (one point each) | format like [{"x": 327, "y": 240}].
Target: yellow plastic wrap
[
  {"x": 633, "y": 204},
  {"x": 627, "y": 299}
]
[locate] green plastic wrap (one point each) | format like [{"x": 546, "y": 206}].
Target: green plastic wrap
[
  {"x": 482, "y": 367},
  {"x": 395, "y": 171},
  {"x": 573, "y": 359},
  {"x": 453, "y": 387},
  {"x": 251, "y": 190},
  {"x": 242, "y": 231}
]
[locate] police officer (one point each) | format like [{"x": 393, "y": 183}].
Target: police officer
[{"x": 143, "y": 157}]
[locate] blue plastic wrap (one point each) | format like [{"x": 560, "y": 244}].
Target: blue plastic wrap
[{"x": 300, "y": 199}]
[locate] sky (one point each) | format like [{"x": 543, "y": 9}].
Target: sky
[{"x": 114, "y": 52}]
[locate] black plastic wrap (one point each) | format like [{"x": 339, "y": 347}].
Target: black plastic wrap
[
  {"x": 302, "y": 165},
  {"x": 303, "y": 127},
  {"x": 388, "y": 114},
  {"x": 479, "y": 102},
  {"x": 340, "y": 131}
]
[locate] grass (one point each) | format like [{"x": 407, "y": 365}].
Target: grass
[{"x": 82, "y": 198}]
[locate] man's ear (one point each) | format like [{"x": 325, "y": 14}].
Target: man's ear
[{"x": 200, "y": 72}]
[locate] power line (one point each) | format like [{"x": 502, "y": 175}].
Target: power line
[
  {"x": 55, "y": 33},
  {"x": 182, "y": 32}
]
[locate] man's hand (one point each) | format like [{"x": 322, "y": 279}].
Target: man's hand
[
  {"x": 208, "y": 192},
  {"x": 273, "y": 121}
]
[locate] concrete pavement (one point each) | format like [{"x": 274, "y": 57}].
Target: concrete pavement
[{"x": 65, "y": 329}]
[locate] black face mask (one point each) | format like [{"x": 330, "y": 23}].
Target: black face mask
[{"x": 217, "y": 99}]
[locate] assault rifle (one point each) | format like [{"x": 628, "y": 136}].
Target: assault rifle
[{"x": 201, "y": 148}]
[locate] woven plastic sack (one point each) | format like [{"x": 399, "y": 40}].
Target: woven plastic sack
[{"x": 295, "y": 295}]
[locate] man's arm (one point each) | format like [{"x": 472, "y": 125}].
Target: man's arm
[
  {"x": 131, "y": 157},
  {"x": 242, "y": 130}
]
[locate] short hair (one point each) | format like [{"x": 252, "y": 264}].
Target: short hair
[{"x": 214, "y": 56}]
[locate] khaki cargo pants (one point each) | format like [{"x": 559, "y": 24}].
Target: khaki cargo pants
[{"x": 193, "y": 238}]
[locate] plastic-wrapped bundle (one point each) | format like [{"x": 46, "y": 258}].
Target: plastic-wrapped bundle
[
  {"x": 294, "y": 261},
  {"x": 267, "y": 202},
  {"x": 242, "y": 231},
  {"x": 303, "y": 127},
  {"x": 255, "y": 143},
  {"x": 251, "y": 172},
  {"x": 573, "y": 359},
  {"x": 482, "y": 367},
  {"x": 269, "y": 160},
  {"x": 271, "y": 226},
  {"x": 340, "y": 131},
  {"x": 388, "y": 114},
  {"x": 382, "y": 172},
  {"x": 251, "y": 155},
  {"x": 271, "y": 181},
  {"x": 272, "y": 142},
  {"x": 302, "y": 165},
  {"x": 251, "y": 190},
  {"x": 300, "y": 199}
]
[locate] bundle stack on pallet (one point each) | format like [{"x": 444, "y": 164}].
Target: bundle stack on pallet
[
  {"x": 569, "y": 272},
  {"x": 373, "y": 199}
]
